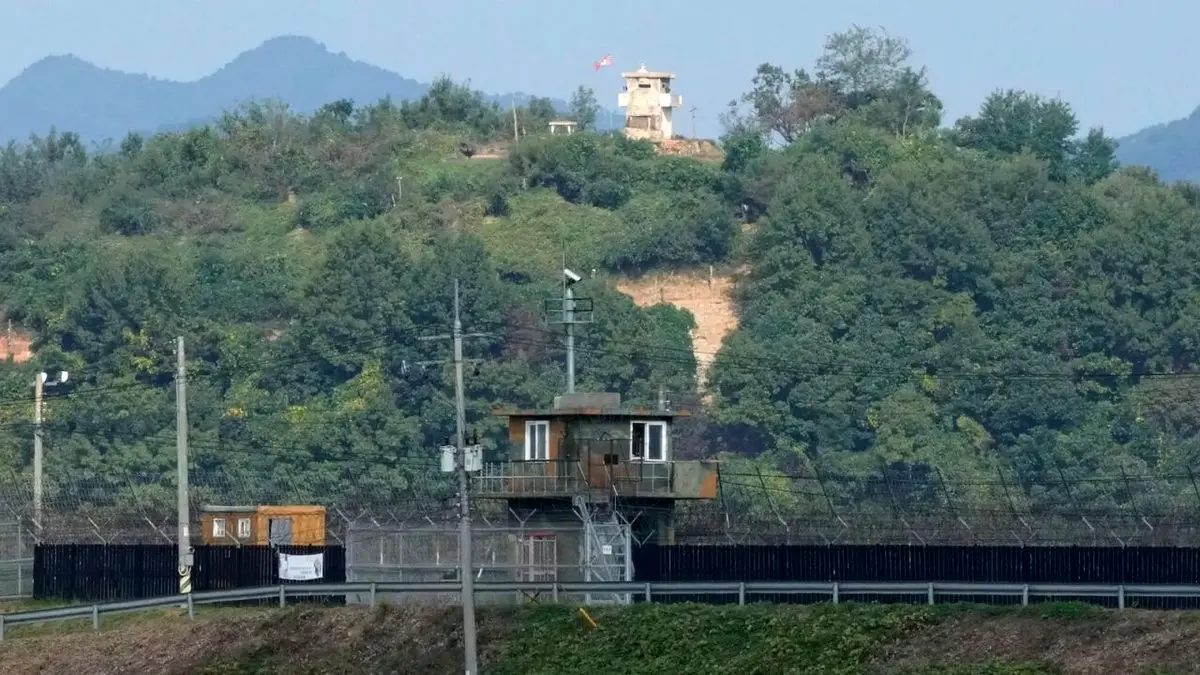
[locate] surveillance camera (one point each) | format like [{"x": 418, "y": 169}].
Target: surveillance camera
[{"x": 571, "y": 276}]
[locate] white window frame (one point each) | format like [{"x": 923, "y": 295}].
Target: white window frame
[
  {"x": 531, "y": 428},
  {"x": 644, "y": 456},
  {"x": 218, "y": 527},
  {"x": 243, "y": 528}
]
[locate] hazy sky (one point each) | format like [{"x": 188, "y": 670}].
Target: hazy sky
[{"x": 1121, "y": 63}]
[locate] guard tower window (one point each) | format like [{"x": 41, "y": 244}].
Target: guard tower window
[
  {"x": 643, "y": 85},
  {"x": 537, "y": 441},
  {"x": 648, "y": 441},
  {"x": 645, "y": 122}
]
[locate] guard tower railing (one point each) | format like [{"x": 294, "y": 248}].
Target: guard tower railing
[{"x": 602, "y": 469}]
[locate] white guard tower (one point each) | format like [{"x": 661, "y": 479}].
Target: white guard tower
[{"x": 648, "y": 102}]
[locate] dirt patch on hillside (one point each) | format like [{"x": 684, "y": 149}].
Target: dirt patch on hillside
[
  {"x": 416, "y": 639},
  {"x": 696, "y": 148},
  {"x": 1110, "y": 642},
  {"x": 15, "y": 346},
  {"x": 708, "y": 296}
]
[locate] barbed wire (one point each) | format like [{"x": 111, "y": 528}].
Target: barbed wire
[{"x": 752, "y": 507}]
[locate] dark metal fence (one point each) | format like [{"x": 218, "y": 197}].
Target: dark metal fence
[
  {"x": 887, "y": 563},
  {"x": 98, "y": 572}
]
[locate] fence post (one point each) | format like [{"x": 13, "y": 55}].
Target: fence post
[
  {"x": 741, "y": 593},
  {"x": 1, "y": 628},
  {"x": 1121, "y": 596},
  {"x": 282, "y": 596},
  {"x": 1025, "y": 595},
  {"x": 554, "y": 592},
  {"x": 20, "y": 589},
  {"x": 95, "y": 617},
  {"x": 930, "y": 592},
  {"x": 191, "y": 607},
  {"x": 647, "y": 592},
  {"x": 835, "y": 592},
  {"x": 372, "y": 596}
]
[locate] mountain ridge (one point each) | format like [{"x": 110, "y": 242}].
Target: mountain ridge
[
  {"x": 69, "y": 93},
  {"x": 1171, "y": 148}
]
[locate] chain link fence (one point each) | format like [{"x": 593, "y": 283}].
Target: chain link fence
[
  {"x": 926, "y": 507},
  {"x": 502, "y": 553},
  {"x": 16, "y": 561}
]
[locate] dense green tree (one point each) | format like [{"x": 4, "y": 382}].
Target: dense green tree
[{"x": 584, "y": 108}]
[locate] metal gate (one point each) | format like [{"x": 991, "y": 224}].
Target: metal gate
[{"x": 537, "y": 557}]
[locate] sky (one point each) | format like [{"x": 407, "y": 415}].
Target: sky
[{"x": 1122, "y": 64}]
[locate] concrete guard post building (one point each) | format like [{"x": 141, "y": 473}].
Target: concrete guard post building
[
  {"x": 592, "y": 465},
  {"x": 649, "y": 104}
]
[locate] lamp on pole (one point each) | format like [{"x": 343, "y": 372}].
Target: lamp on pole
[{"x": 40, "y": 382}]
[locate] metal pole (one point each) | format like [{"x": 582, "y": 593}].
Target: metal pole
[
  {"x": 569, "y": 319},
  {"x": 181, "y": 462},
  {"x": 516, "y": 132},
  {"x": 38, "y": 381},
  {"x": 464, "y": 523}
]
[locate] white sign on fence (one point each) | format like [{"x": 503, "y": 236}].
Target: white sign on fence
[{"x": 301, "y": 567}]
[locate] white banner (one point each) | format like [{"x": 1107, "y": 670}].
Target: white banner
[{"x": 301, "y": 567}]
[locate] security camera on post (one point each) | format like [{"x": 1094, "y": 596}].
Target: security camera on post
[{"x": 569, "y": 311}]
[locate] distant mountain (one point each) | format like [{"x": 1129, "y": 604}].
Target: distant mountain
[
  {"x": 100, "y": 104},
  {"x": 1171, "y": 149}
]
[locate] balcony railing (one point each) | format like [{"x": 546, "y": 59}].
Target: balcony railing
[{"x": 562, "y": 478}]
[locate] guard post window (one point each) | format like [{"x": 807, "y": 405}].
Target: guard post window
[
  {"x": 218, "y": 527},
  {"x": 537, "y": 441},
  {"x": 648, "y": 441}
]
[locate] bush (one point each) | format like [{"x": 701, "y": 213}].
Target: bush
[
  {"x": 127, "y": 213},
  {"x": 674, "y": 230}
]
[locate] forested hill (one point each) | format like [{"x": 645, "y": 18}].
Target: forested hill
[{"x": 918, "y": 300}]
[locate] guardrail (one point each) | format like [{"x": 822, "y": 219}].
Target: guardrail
[{"x": 835, "y": 591}]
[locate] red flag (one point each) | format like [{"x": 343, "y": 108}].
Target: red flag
[{"x": 606, "y": 61}]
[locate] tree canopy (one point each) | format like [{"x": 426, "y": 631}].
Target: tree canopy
[{"x": 918, "y": 300}]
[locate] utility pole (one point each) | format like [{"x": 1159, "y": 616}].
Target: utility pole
[
  {"x": 38, "y": 381},
  {"x": 693, "y": 111},
  {"x": 465, "y": 555},
  {"x": 516, "y": 129},
  {"x": 181, "y": 462},
  {"x": 464, "y": 523},
  {"x": 39, "y": 384}
]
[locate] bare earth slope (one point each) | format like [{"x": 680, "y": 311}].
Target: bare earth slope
[{"x": 708, "y": 298}]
